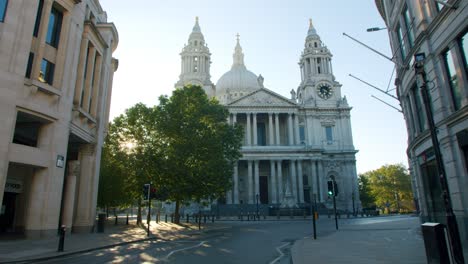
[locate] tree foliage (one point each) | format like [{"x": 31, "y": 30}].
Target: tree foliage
[
  {"x": 200, "y": 147},
  {"x": 389, "y": 187},
  {"x": 367, "y": 199},
  {"x": 183, "y": 146}
]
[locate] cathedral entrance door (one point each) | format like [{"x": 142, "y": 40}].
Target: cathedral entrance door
[{"x": 263, "y": 189}]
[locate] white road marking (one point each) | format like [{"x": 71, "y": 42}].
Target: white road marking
[
  {"x": 388, "y": 239},
  {"x": 182, "y": 249},
  {"x": 281, "y": 253}
]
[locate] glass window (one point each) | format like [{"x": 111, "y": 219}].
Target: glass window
[
  {"x": 46, "y": 75},
  {"x": 464, "y": 50},
  {"x": 3, "y": 7},
  {"x": 301, "y": 133},
  {"x": 55, "y": 25},
  {"x": 453, "y": 79},
  {"x": 329, "y": 134},
  {"x": 439, "y": 6},
  {"x": 408, "y": 26},
  {"x": 419, "y": 108},
  {"x": 38, "y": 18},
  {"x": 401, "y": 41},
  {"x": 29, "y": 66}
]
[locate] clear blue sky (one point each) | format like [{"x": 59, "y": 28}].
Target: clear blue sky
[{"x": 152, "y": 33}]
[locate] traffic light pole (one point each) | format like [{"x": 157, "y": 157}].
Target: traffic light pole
[
  {"x": 148, "y": 219},
  {"x": 313, "y": 217},
  {"x": 334, "y": 208}
]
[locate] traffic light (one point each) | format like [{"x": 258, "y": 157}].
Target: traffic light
[
  {"x": 335, "y": 188},
  {"x": 146, "y": 191},
  {"x": 330, "y": 188},
  {"x": 153, "y": 192}
]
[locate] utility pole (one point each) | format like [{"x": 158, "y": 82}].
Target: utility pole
[{"x": 454, "y": 234}]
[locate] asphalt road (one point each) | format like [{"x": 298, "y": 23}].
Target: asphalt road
[{"x": 246, "y": 242}]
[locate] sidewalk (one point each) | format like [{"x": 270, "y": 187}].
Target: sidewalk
[
  {"x": 396, "y": 241},
  {"x": 22, "y": 250}
]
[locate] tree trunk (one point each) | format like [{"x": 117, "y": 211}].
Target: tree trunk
[
  {"x": 139, "y": 213},
  {"x": 176, "y": 215},
  {"x": 115, "y": 214}
]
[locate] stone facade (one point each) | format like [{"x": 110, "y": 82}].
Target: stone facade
[
  {"x": 292, "y": 146},
  {"x": 56, "y": 71},
  {"x": 438, "y": 29}
]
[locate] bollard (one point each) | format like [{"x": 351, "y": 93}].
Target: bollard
[
  {"x": 248, "y": 216},
  {"x": 187, "y": 218},
  {"x": 291, "y": 214},
  {"x": 304, "y": 213},
  {"x": 62, "y": 238},
  {"x": 264, "y": 216},
  {"x": 204, "y": 218},
  {"x": 347, "y": 213},
  {"x": 278, "y": 214},
  {"x": 172, "y": 218},
  {"x": 165, "y": 218},
  {"x": 212, "y": 218},
  {"x": 241, "y": 217}
]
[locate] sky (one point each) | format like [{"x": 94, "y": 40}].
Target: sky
[{"x": 152, "y": 34}]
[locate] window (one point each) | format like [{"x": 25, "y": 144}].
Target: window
[
  {"x": 46, "y": 75},
  {"x": 439, "y": 6},
  {"x": 464, "y": 50},
  {"x": 29, "y": 66},
  {"x": 27, "y": 129},
  {"x": 453, "y": 79},
  {"x": 408, "y": 26},
  {"x": 3, "y": 7},
  {"x": 402, "y": 43},
  {"x": 302, "y": 133},
  {"x": 55, "y": 25},
  {"x": 38, "y": 18},
  {"x": 419, "y": 108},
  {"x": 329, "y": 134}
]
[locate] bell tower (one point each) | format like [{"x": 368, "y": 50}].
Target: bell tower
[
  {"x": 195, "y": 62},
  {"x": 318, "y": 85}
]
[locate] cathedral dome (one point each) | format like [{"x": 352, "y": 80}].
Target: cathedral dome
[{"x": 238, "y": 81}]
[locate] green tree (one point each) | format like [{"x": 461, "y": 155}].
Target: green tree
[
  {"x": 390, "y": 185},
  {"x": 367, "y": 199},
  {"x": 200, "y": 148},
  {"x": 112, "y": 173}
]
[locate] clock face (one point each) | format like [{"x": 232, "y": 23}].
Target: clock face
[{"x": 324, "y": 90}]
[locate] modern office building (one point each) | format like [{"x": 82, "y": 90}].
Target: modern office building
[
  {"x": 292, "y": 146},
  {"x": 56, "y": 71},
  {"x": 437, "y": 29}
]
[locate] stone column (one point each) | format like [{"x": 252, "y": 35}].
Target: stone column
[
  {"x": 314, "y": 184},
  {"x": 69, "y": 194},
  {"x": 277, "y": 131},
  {"x": 290, "y": 130},
  {"x": 320, "y": 185},
  {"x": 274, "y": 198},
  {"x": 249, "y": 133},
  {"x": 300, "y": 181},
  {"x": 234, "y": 118},
  {"x": 80, "y": 71},
  {"x": 255, "y": 129},
  {"x": 292, "y": 170},
  {"x": 257, "y": 178},
  {"x": 270, "y": 130},
  {"x": 236, "y": 184},
  {"x": 249, "y": 182},
  {"x": 229, "y": 197},
  {"x": 280, "y": 180},
  {"x": 84, "y": 213},
  {"x": 88, "y": 85},
  {"x": 296, "y": 129}
]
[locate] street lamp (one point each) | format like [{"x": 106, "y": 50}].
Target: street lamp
[
  {"x": 372, "y": 29},
  {"x": 257, "y": 205},
  {"x": 452, "y": 226}
]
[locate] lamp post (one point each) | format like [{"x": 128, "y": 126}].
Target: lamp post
[
  {"x": 372, "y": 29},
  {"x": 452, "y": 227},
  {"x": 257, "y": 206},
  {"x": 354, "y": 210}
]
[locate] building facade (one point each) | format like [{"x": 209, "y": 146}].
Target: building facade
[
  {"x": 56, "y": 71},
  {"x": 439, "y": 30},
  {"x": 292, "y": 146}
]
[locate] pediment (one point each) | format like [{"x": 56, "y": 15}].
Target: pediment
[{"x": 263, "y": 98}]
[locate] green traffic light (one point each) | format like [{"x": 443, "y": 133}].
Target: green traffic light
[{"x": 330, "y": 193}]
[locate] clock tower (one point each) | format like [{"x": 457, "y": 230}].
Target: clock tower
[{"x": 318, "y": 86}]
